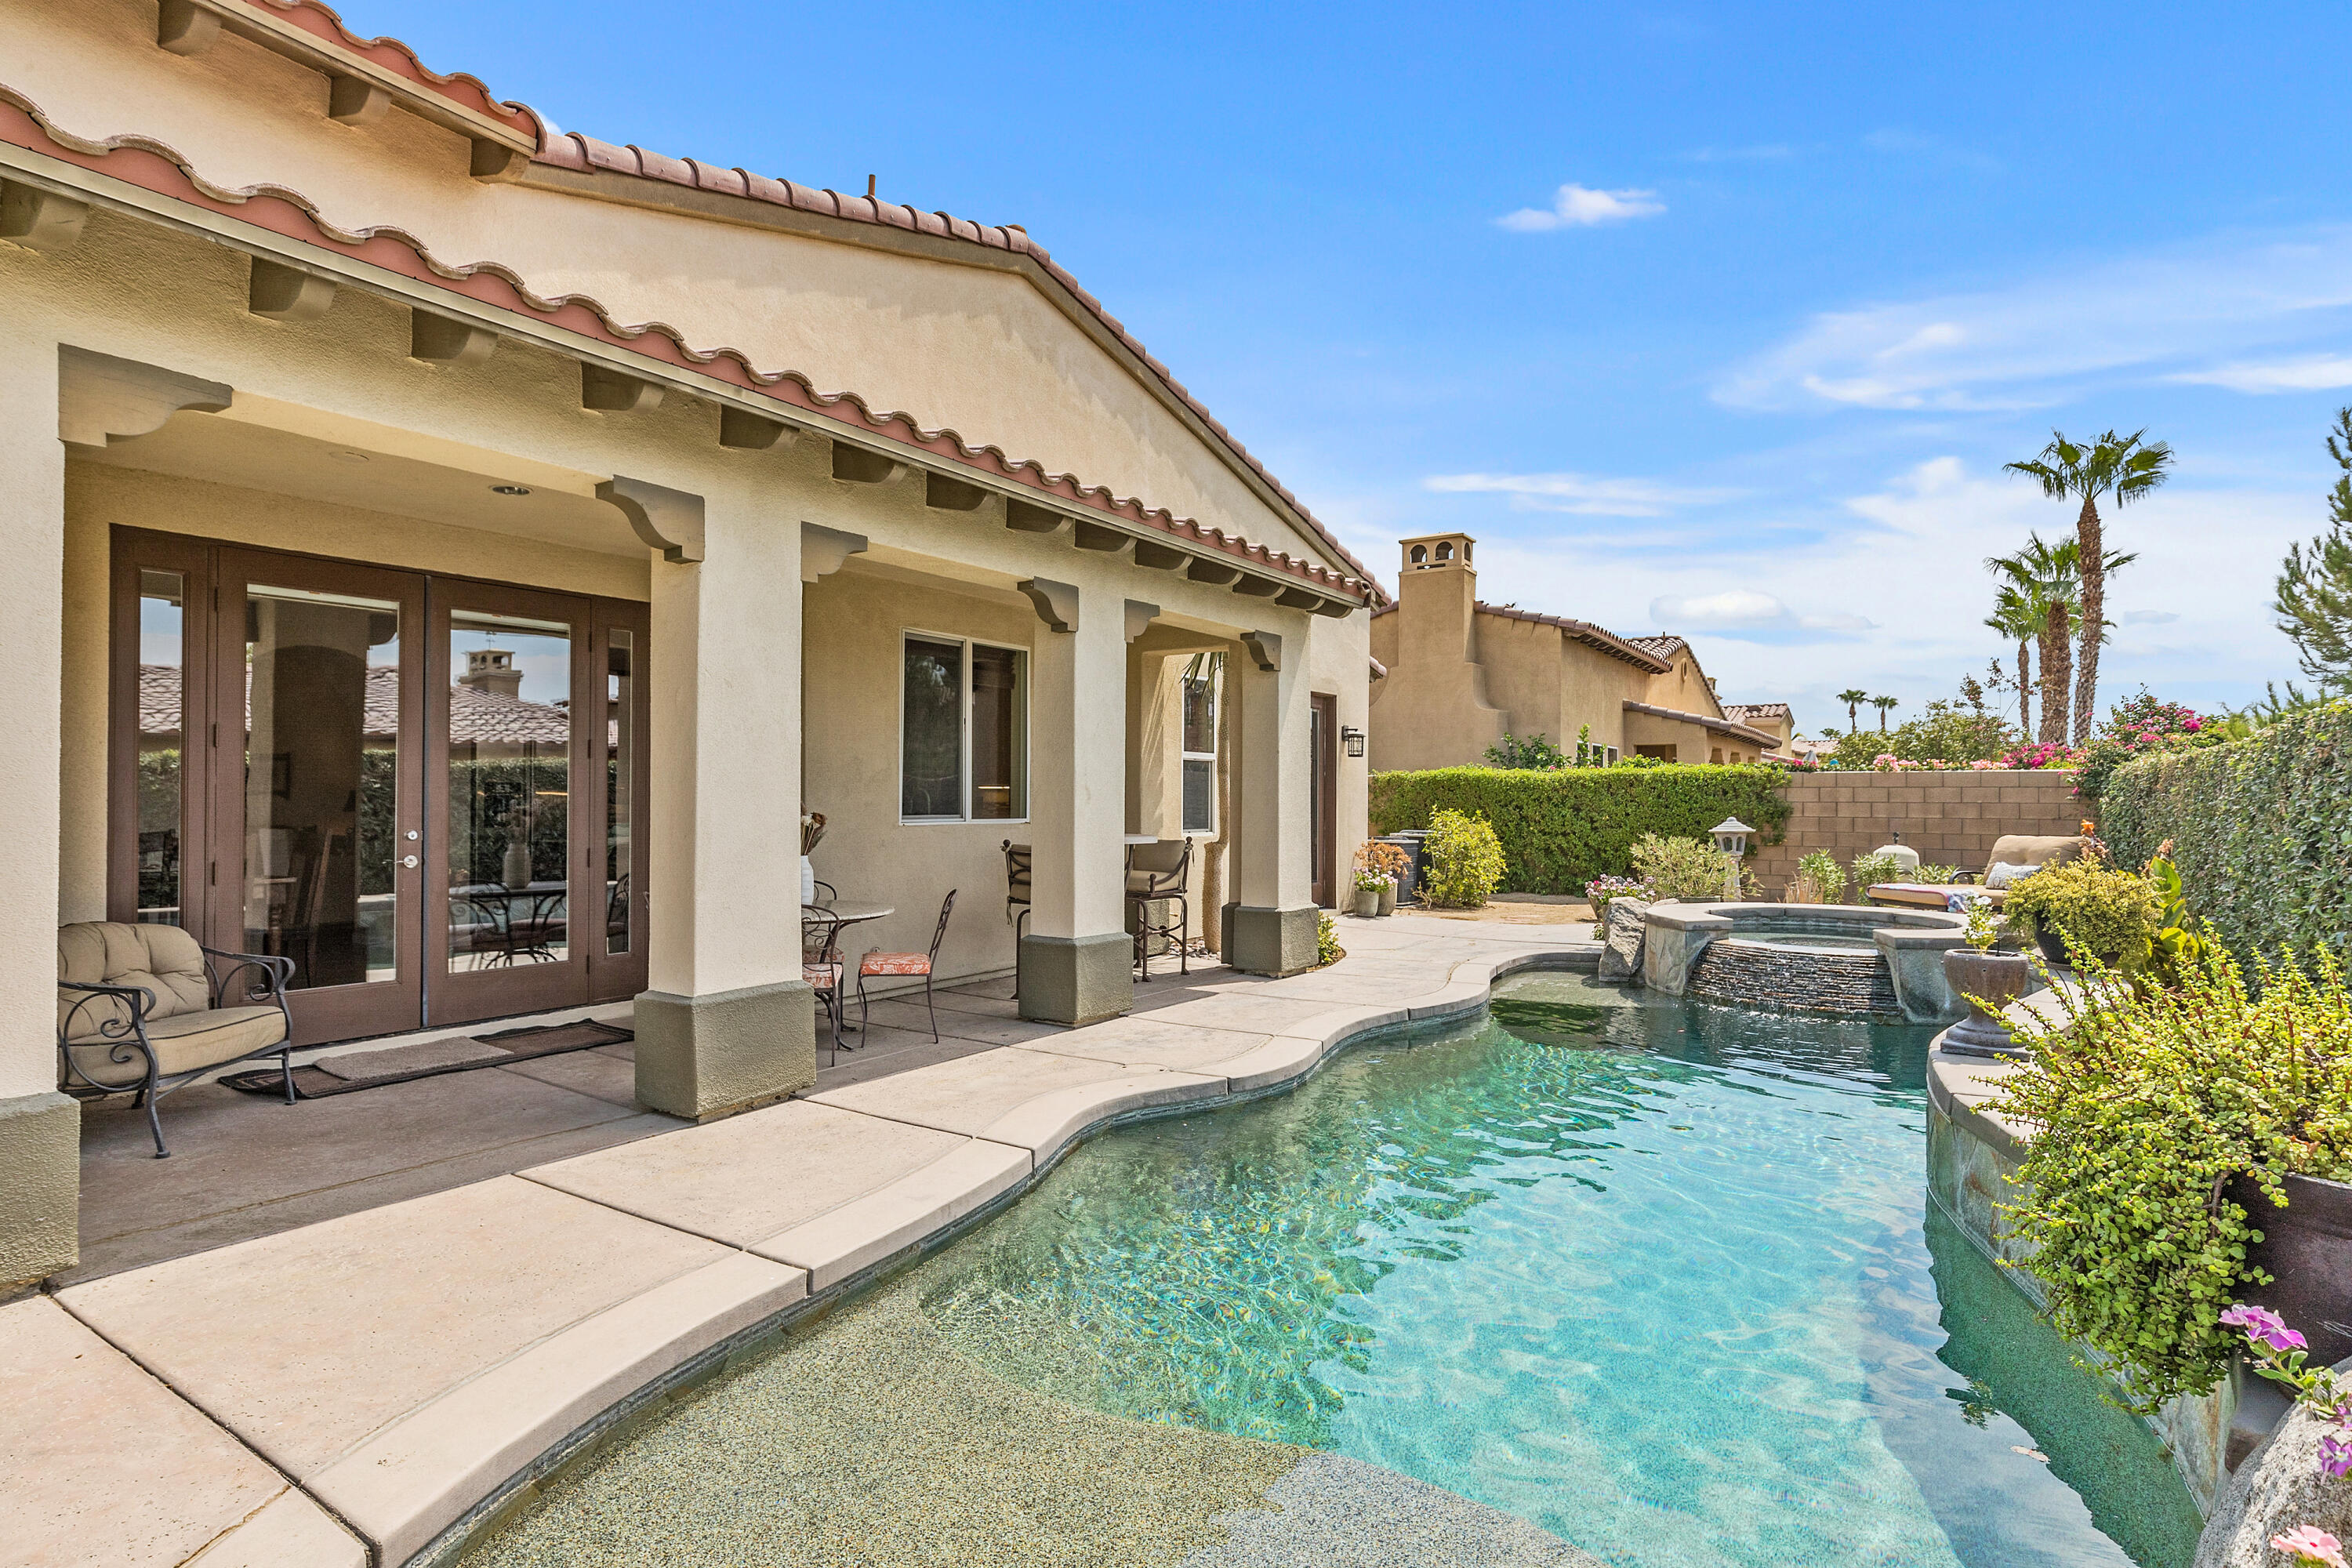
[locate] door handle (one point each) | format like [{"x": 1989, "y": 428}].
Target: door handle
[{"x": 409, "y": 861}]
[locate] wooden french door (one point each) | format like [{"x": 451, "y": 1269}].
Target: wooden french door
[
  {"x": 399, "y": 783},
  {"x": 1322, "y": 817}
]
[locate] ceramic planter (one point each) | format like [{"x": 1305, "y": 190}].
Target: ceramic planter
[
  {"x": 2053, "y": 948},
  {"x": 2000, "y": 978},
  {"x": 1388, "y": 896},
  {"x": 2307, "y": 1247},
  {"x": 1367, "y": 902}
]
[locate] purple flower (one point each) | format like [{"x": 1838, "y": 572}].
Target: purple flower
[
  {"x": 2263, "y": 1327},
  {"x": 2335, "y": 1455}
]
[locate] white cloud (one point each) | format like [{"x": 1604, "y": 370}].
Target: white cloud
[
  {"x": 2200, "y": 313},
  {"x": 1584, "y": 494},
  {"x": 2311, "y": 372},
  {"x": 1578, "y": 206},
  {"x": 1890, "y": 593}
]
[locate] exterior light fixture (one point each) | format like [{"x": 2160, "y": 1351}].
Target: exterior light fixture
[
  {"x": 510, "y": 489},
  {"x": 1352, "y": 739},
  {"x": 1731, "y": 836}
]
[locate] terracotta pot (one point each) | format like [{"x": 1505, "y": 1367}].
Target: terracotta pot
[
  {"x": 2307, "y": 1247},
  {"x": 2000, "y": 978},
  {"x": 1388, "y": 896}
]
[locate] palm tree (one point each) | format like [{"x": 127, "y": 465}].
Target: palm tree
[
  {"x": 2046, "y": 584},
  {"x": 1854, "y": 697},
  {"x": 2116, "y": 465},
  {"x": 2017, "y": 617},
  {"x": 1884, "y": 705}
]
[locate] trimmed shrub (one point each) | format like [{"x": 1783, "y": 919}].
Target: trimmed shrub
[
  {"x": 1461, "y": 860},
  {"x": 1560, "y": 830},
  {"x": 1687, "y": 868},
  {"x": 2260, "y": 829}
]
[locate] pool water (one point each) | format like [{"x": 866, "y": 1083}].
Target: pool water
[{"x": 1657, "y": 1276}]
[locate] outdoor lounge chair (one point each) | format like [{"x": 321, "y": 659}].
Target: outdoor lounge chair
[
  {"x": 143, "y": 1008},
  {"x": 2010, "y": 849}
]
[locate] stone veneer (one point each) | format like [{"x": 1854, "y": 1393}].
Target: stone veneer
[
  {"x": 1951, "y": 819},
  {"x": 1812, "y": 980}
]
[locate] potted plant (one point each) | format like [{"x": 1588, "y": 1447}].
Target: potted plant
[
  {"x": 1390, "y": 863},
  {"x": 2192, "y": 1149},
  {"x": 1987, "y": 980},
  {"x": 1368, "y": 892},
  {"x": 2087, "y": 909}
]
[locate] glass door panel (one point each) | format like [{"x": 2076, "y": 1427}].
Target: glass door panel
[
  {"x": 620, "y": 788},
  {"x": 312, "y": 748},
  {"x": 160, "y": 766},
  {"x": 616, "y": 959},
  {"x": 509, "y": 739}
]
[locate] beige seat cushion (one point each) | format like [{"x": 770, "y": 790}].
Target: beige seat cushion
[
  {"x": 163, "y": 959},
  {"x": 185, "y": 1042},
  {"x": 2022, "y": 850}
]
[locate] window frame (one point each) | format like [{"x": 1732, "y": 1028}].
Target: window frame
[
  {"x": 963, "y": 729},
  {"x": 1215, "y": 666}
]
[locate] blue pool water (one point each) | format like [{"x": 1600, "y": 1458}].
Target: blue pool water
[{"x": 1657, "y": 1276}]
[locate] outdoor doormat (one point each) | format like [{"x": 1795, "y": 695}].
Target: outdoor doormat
[{"x": 398, "y": 1064}]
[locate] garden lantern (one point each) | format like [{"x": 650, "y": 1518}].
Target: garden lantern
[
  {"x": 1731, "y": 837},
  {"x": 1352, "y": 739}
]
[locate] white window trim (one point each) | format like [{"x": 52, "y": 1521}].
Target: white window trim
[
  {"x": 1216, "y": 718},
  {"x": 964, "y": 731}
]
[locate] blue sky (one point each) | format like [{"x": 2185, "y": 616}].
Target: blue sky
[{"x": 1715, "y": 319}]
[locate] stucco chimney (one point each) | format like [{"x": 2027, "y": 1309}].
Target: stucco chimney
[
  {"x": 492, "y": 669},
  {"x": 1436, "y": 589}
]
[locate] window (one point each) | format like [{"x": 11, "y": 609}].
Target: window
[
  {"x": 1203, "y": 684},
  {"x": 963, "y": 752},
  {"x": 1612, "y": 757}
]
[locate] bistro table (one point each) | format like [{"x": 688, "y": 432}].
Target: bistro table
[
  {"x": 832, "y": 919},
  {"x": 498, "y": 936}
]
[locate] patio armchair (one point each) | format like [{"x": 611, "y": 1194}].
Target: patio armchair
[
  {"x": 821, "y": 964},
  {"x": 144, "y": 1009},
  {"x": 2013, "y": 850},
  {"x": 923, "y": 963},
  {"x": 1160, "y": 873}
]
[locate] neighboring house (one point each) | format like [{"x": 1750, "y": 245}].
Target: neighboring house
[
  {"x": 327, "y": 375},
  {"x": 1773, "y": 719},
  {"x": 1460, "y": 673}
]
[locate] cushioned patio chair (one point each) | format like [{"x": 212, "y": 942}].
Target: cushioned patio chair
[
  {"x": 144, "y": 1009},
  {"x": 878, "y": 963},
  {"x": 1160, "y": 874},
  {"x": 2017, "y": 852}
]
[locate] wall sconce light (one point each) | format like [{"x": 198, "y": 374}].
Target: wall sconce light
[{"x": 1352, "y": 739}]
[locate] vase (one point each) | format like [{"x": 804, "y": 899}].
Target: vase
[
  {"x": 808, "y": 882},
  {"x": 1388, "y": 896},
  {"x": 2306, "y": 1247},
  {"x": 514, "y": 870},
  {"x": 2000, "y": 978},
  {"x": 1367, "y": 902}
]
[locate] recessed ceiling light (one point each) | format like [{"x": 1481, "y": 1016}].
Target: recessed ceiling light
[
  {"x": 349, "y": 456},
  {"x": 510, "y": 489}
]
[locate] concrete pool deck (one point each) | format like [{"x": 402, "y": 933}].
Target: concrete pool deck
[{"x": 356, "y": 1389}]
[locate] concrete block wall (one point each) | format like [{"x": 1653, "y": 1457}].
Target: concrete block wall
[{"x": 1951, "y": 819}]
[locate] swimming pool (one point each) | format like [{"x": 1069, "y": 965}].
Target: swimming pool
[{"x": 1654, "y": 1275}]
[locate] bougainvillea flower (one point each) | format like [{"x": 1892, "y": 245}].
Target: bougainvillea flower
[{"x": 2309, "y": 1544}]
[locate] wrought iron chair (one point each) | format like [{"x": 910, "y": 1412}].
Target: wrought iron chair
[
  {"x": 1160, "y": 874},
  {"x": 144, "y": 1009},
  {"x": 922, "y": 963},
  {"x": 820, "y": 964},
  {"x": 1018, "y": 865}
]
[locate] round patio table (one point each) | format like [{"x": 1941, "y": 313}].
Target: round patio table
[{"x": 835, "y": 918}]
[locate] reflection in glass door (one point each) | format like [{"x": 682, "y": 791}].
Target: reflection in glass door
[
  {"x": 322, "y": 773},
  {"x": 161, "y": 762},
  {"x": 510, "y": 778}
]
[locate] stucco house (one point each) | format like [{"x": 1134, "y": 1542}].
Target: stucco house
[
  {"x": 1774, "y": 719},
  {"x": 1453, "y": 674},
  {"x": 328, "y": 376}
]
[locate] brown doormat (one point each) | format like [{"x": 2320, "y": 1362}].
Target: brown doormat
[{"x": 431, "y": 1058}]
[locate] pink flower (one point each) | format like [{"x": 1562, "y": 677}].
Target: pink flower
[
  {"x": 1981, "y": 765},
  {"x": 2262, "y": 1326},
  {"x": 2309, "y": 1544}
]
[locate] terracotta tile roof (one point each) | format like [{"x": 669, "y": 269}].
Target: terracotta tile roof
[
  {"x": 1720, "y": 726},
  {"x": 465, "y": 91},
  {"x": 1740, "y": 712},
  {"x": 1629, "y": 649},
  {"x": 587, "y": 154},
  {"x": 476, "y": 717},
  {"x": 278, "y": 210},
  {"x": 1662, "y": 648}
]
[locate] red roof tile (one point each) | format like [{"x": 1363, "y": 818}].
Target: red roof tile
[
  {"x": 465, "y": 92},
  {"x": 280, "y": 210},
  {"x": 1721, "y": 726}
]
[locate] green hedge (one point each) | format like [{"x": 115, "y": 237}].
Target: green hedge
[
  {"x": 1562, "y": 829},
  {"x": 2261, "y": 830}
]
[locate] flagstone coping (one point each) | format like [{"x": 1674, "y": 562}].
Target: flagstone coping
[{"x": 408, "y": 1366}]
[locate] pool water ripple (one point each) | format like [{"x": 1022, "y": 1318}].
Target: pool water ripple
[{"x": 1654, "y": 1275}]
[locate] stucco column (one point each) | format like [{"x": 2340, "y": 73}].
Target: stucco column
[
  {"x": 41, "y": 1171},
  {"x": 1077, "y": 959},
  {"x": 1270, "y": 927},
  {"x": 726, "y": 1021}
]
